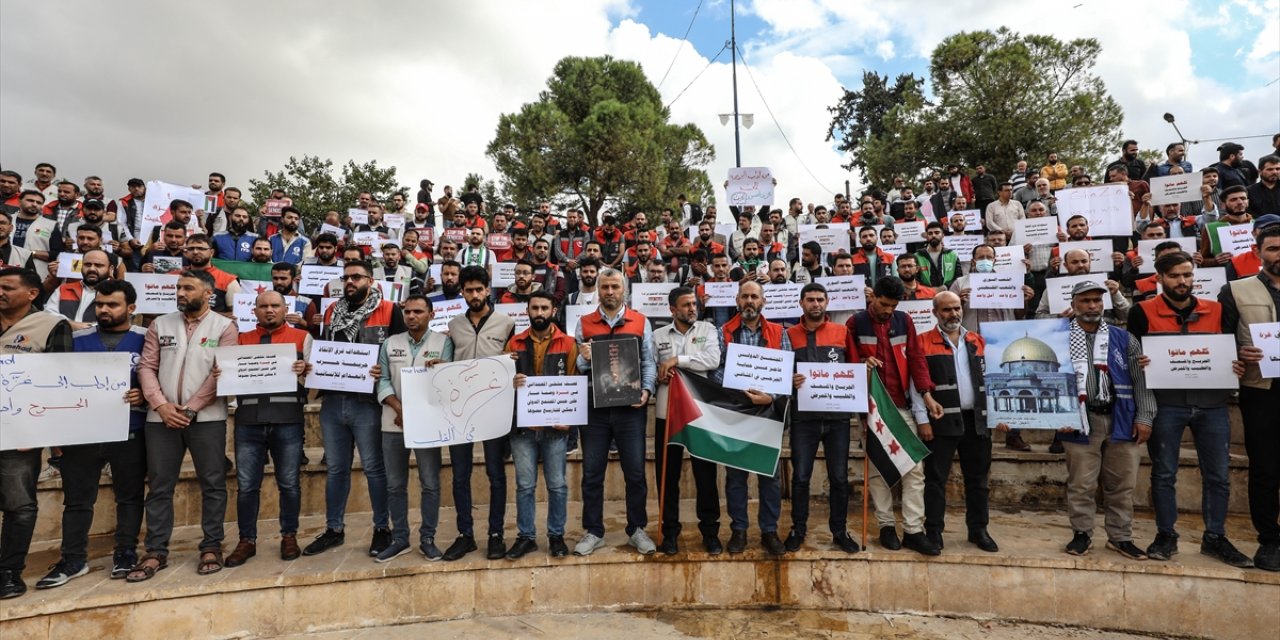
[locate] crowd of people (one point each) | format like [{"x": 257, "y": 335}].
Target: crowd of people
[{"x": 424, "y": 280}]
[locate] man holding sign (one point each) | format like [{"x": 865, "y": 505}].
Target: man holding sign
[
  {"x": 693, "y": 346},
  {"x": 541, "y": 350}
]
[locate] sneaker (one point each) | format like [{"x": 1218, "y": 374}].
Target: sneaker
[
  {"x": 62, "y": 572},
  {"x": 50, "y": 473},
  {"x": 393, "y": 550},
  {"x": 588, "y": 544},
  {"x": 1080, "y": 544},
  {"x": 1220, "y": 547},
  {"x": 522, "y": 547},
  {"x": 106, "y": 470},
  {"x": 497, "y": 547},
  {"x": 430, "y": 550},
  {"x": 465, "y": 544},
  {"x": 558, "y": 549},
  {"x": 640, "y": 540},
  {"x": 324, "y": 542},
  {"x": 122, "y": 562},
  {"x": 1127, "y": 549},
  {"x": 11, "y": 584},
  {"x": 794, "y": 541},
  {"x": 1268, "y": 557},
  {"x": 381, "y": 542},
  {"x": 1164, "y": 547}
]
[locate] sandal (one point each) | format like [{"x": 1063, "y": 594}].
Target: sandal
[
  {"x": 143, "y": 570},
  {"x": 207, "y": 567}
]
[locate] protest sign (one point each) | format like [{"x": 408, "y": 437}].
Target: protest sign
[
  {"x": 58, "y": 399},
  {"x": 844, "y": 293},
  {"x": 781, "y": 301},
  {"x": 1266, "y": 336},
  {"x": 157, "y": 292},
  {"x": 155, "y": 209},
  {"x": 721, "y": 294},
  {"x": 1058, "y": 291},
  {"x": 446, "y": 310},
  {"x": 1107, "y": 208},
  {"x": 1010, "y": 260},
  {"x": 393, "y": 221},
  {"x": 832, "y": 387},
  {"x": 1042, "y": 230},
  {"x": 498, "y": 241},
  {"x": 972, "y": 220},
  {"x": 1175, "y": 189},
  {"x": 962, "y": 244},
  {"x": 546, "y": 401},
  {"x": 504, "y": 274},
  {"x": 650, "y": 298},
  {"x": 894, "y": 249},
  {"x": 316, "y": 277},
  {"x": 342, "y": 366},
  {"x": 573, "y": 313},
  {"x": 615, "y": 372},
  {"x": 358, "y": 216},
  {"x": 758, "y": 368},
  {"x": 337, "y": 232},
  {"x": 921, "y": 312},
  {"x": 1235, "y": 239},
  {"x": 258, "y": 368},
  {"x": 458, "y": 402},
  {"x": 244, "y": 304},
  {"x": 367, "y": 238},
  {"x": 831, "y": 238},
  {"x": 912, "y": 231},
  {"x": 750, "y": 186},
  {"x": 272, "y": 207},
  {"x": 1147, "y": 251},
  {"x": 1203, "y": 362},
  {"x": 1030, "y": 383},
  {"x": 69, "y": 265},
  {"x": 517, "y": 311},
  {"x": 1099, "y": 255},
  {"x": 995, "y": 291}
]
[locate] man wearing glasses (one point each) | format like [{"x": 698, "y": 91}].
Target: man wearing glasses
[{"x": 199, "y": 253}]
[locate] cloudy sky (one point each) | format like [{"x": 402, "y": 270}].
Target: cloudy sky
[{"x": 173, "y": 90}]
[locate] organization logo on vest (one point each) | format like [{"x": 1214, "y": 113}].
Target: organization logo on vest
[
  {"x": 17, "y": 344},
  {"x": 167, "y": 342},
  {"x": 833, "y": 355}
]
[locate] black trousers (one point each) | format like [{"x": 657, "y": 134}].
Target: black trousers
[
  {"x": 81, "y": 469},
  {"x": 975, "y": 467},
  {"x": 1258, "y": 409},
  {"x": 706, "y": 487}
]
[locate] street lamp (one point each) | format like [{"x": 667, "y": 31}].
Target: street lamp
[{"x": 1168, "y": 117}]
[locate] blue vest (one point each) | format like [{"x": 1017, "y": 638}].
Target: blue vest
[
  {"x": 88, "y": 340},
  {"x": 1124, "y": 408},
  {"x": 229, "y": 247},
  {"x": 292, "y": 253}
]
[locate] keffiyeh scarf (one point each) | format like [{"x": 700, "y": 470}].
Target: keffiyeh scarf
[{"x": 346, "y": 320}]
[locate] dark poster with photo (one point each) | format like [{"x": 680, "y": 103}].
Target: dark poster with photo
[{"x": 615, "y": 372}]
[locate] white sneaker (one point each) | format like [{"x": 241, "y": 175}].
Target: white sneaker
[
  {"x": 589, "y": 543},
  {"x": 640, "y": 540},
  {"x": 50, "y": 473}
]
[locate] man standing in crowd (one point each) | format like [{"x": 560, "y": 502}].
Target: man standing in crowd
[
  {"x": 939, "y": 266},
  {"x": 1245, "y": 302},
  {"x": 289, "y": 245},
  {"x": 270, "y": 423},
  {"x": 479, "y": 333},
  {"x": 541, "y": 350},
  {"x": 623, "y": 426},
  {"x": 351, "y": 420},
  {"x": 693, "y": 347},
  {"x": 816, "y": 339},
  {"x": 1004, "y": 213},
  {"x": 12, "y": 255},
  {"x": 236, "y": 243},
  {"x": 23, "y": 329},
  {"x": 418, "y": 346},
  {"x": 1175, "y": 312},
  {"x": 955, "y": 357},
  {"x": 186, "y": 415},
  {"x": 1119, "y": 409}
]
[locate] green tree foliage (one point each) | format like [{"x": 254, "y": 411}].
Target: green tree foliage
[
  {"x": 599, "y": 137},
  {"x": 859, "y": 116},
  {"x": 315, "y": 190},
  {"x": 998, "y": 97}
]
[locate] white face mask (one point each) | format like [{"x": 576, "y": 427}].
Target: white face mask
[{"x": 984, "y": 266}]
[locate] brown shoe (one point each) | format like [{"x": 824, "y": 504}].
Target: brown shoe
[
  {"x": 245, "y": 550},
  {"x": 1015, "y": 442},
  {"x": 289, "y": 547}
]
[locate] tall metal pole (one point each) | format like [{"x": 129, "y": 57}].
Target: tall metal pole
[{"x": 733, "y": 45}]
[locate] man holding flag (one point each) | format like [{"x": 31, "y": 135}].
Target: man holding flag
[
  {"x": 751, "y": 329},
  {"x": 816, "y": 339},
  {"x": 887, "y": 342},
  {"x": 693, "y": 346}
]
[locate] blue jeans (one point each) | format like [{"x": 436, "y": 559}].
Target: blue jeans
[
  {"x": 252, "y": 443},
  {"x": 526, "y": 447},
  {"x": 1212, "y": 434},
  {"x": 495, "y": 468},
  {"x": 833, "y": 435},
  {"x": 396, "y": 457},
  {"x": 349, "y": 421},
  {"x": 735, "y": 495},
  {"x": 625, "y": 426}
]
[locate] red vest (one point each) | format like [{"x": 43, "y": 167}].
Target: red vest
[
  {"x": 771, "y": 332},
  {"x": 1163, "y": 320},
  {"x": 593, "y": 326}
]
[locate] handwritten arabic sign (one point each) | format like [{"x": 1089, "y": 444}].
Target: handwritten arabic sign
[
  {"x": 912, "y": 231},
  {"x": 446, "y": 310},
  {"x": 1105, "y": 206},
  {"x": 962, "y": 244},
  {"x": 1202, "y": 363},
  {"x": 259, "y": 368},
  {"x": 1266, "y": 336},
  {"x": 342, "y": 366},
  {"x": 55, "y": 399},
  {"x": 832, "y": 387},
  {"x": 458, "y": 402},
  {"x": 157, "y": 292},
  {"x": 750, "y": 186},
  {"x": 767, "y": 370},
  {"x": 517, "y": 311},
  {"x": 155, "y": 210},
  {"x": 358, "y": 216},
  {"x": 831, "y": 238},
  {"x": 1174, "y": 189},
  {"x": 721, "y": 294},
  {"x": 546, "y": 401},
  {"x": 244, "y": 305}
]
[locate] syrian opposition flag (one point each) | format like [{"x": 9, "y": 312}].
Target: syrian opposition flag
[
  {"x": 721, "y": 425},
  {"x": 895, "y": 448}
]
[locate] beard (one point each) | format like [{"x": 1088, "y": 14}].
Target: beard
[
  {"x": 477, "y": 304},
  {"x": 91, "y": 279},
  {"x": 238, "y": 228},
  {"x": 291, "y": 228},
  {"x": 1176, "y": 295},
  {"x": 934, "y": 243},
  {"x": 200, "y": 265},
  {"x": 1091, "y": 317},
  {"x": 450, "y": 290},
  {"x": 749, "y": 313},
  {"x": 539, "y": 324},
  {"x": 283, "y": 290},
  {"x": 191, "y": 306},
  {"x": 907, "y": 278},
  {"x": 588, "y": 281},
  {"x": 1272, "y": 268},
  {"x": 356, "y": 297},
  {"x": 949, "y": 326}
]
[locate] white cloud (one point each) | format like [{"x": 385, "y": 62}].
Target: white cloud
[{"x": 884, "y": 49}]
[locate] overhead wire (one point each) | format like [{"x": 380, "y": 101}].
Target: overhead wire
[
  {"x": 680, "y": 46},
  {"x": 695, "y": 78}
]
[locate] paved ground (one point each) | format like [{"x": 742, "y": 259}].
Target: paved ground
[{"x": 722, "y": 625}]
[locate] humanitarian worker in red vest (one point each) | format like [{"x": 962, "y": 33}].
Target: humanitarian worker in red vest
[
  {"x": 624, "y": 426},
  {"x": 350, "y": 420},
  {"x": 199, "y": 255},
  {"x": 750, "y": 328},
  {"x": 956, "y": 358},
  {"x": 1175, "y": 312},
  {"x": 816, "y": 339},
  {"x": 887, "y": 342}
]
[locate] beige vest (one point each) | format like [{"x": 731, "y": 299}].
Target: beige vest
[
  {"x": 184, "y": 365},
  {"x": 1255, "y": 306},
  {"x": 30, "y": 334},
  {"x": 38, "y": 236},
  {"x": 397, "y": 350}
]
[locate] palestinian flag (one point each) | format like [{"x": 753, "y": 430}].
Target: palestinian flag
[
  {"x": 894, "y": 448},
  {"x": 245, "y": 270},
  {"x": 722, "y": 425}
]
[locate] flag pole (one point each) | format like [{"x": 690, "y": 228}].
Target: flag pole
[
  {"x": 866, "y": 470},
  {"x": 662, "y": 478}
]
